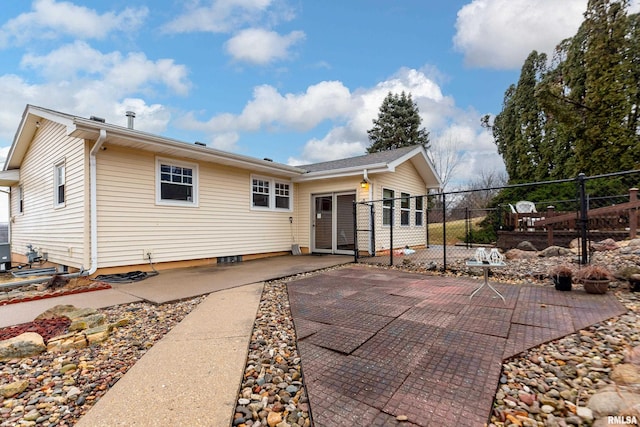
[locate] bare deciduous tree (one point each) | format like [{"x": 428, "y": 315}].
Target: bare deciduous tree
[{"x": 444, "y": 153}]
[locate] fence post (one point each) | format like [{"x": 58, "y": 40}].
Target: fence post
[
  {"x": 355, "y": 232},
  {"x": 583, "y": 219},
  {"x": 372, "y": 222},
  {"x": 391, "y": 224},
  {"x": 633, "y": 214},
  {"x": 444, "y": 232},
  {"x": 427, "y": 209},
  {"x": 467, "y": 227}
]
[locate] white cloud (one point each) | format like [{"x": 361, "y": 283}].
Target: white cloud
[
  {"x": 84, "y": 99},
  {"x": 83, "y": 81},
  {"x": 68, "y": 61},
  {"x": 122, "y": 73},
  {"x": 477, "y": 152},
  {"x": 501, "y": 33},
  {"x": 338, "y": 141},
  {"x": 271, "y": 110},
  {"x": 220, "y": 16},
  {"x": 225, "y": 141},
  {"x": 350, "y": 115},
  {"x": 149, "y": 118},
  {"x": 259, "y": 46},
  {"x": 49, "y": 19}
]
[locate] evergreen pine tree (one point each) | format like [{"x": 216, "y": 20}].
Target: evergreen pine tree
[{"x": 397, "y": 125}]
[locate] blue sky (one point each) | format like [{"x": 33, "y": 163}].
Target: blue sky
[{"x": 298, "y": 81}]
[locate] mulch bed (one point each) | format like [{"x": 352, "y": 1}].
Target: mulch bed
[
  {"x": 98, "y": 286},
  {"x": 47, "y": 328}
]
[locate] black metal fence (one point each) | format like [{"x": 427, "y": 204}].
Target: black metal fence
[{"x": 433, "y": 230}]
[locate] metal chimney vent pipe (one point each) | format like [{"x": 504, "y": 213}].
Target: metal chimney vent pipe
[{"x": 130, "y": 116}]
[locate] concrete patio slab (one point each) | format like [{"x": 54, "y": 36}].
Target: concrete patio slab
[
  {"x": 438, "y": 358},
  {"x": 173, "y": 285}
]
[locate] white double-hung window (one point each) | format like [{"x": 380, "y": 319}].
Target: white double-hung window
[
  {"x": 270, "y": 194},
  {"x": 59, "y": 178},
  {"x": 405, "y": 208},
  {"x": 176, "y": 183},
  {"x": 419, "y": 211}
]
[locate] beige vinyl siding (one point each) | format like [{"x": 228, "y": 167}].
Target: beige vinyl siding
[
  {"x": 405, "y": 179},
  {"x": 304, "y": 208},
  {"x": 58, "y": 231},
  {"x": 223, "y": 224}
]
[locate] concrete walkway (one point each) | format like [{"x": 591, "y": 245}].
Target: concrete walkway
[
  {"x": 174, "y": 285},
  {"x": 191, "y": 376}
]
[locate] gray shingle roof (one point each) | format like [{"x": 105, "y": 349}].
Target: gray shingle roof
[{"x": 365, "y": 160}]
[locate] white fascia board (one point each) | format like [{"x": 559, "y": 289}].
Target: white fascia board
[
  {"x": 9, "y": 177},
  {"x": 188, "y": 150},
  {"x": 419, "y": 151},
  {"x": 27, "y": 129},
  {"x": 344, "y": 172}
]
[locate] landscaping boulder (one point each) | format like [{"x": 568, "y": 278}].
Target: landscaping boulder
[
  {"x": 635, "y": 243},
  {"x": 605, "y": 245},
  {"x": 60, "y": 310},
  {"x": 11, "y": 389},
  {"x": 555, "y": 251},
  {"x": 632, "y": 355},
  {"x": 613, "y": 400},
  {"x": 24, "y": 345},
  {"x": 626, "y": 374},
  {"x": 519, "y": 254},
  {"x": 87, "y": 322},
  {"x": 577, "y": 244},
  {"x": 525, "y": 245}
]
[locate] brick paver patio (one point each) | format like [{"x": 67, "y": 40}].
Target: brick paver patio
[{"x": 377, "y": 344}]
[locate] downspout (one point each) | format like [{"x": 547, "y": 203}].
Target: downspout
[{"x": 93, "y": 201}]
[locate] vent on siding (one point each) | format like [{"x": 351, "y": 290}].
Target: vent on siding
[{"x": 229, "y": 259}]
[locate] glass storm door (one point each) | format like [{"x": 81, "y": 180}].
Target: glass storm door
[{"x": 333, "y": 223}]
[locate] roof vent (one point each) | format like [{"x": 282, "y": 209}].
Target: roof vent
[
  {"x": 97, "y": 119},
  {"x": 266, "y": 159},
  {"x": 130, "y": 116},
  {"x": 202, "y": 144}
]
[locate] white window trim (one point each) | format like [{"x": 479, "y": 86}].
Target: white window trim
[
  {"x": 418, "y": 210},
  {"x": 393, "y": 202},
  {"x": 20, "y": 199},
  {"x": 408, "y": 210},
  {"x": 56, "y": 183},
  {"x": 272, "y": 194},
  {"x": 196, "y": 177}
]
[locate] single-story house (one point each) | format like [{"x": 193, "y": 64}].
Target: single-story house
[{"x": 97, "y": 197}]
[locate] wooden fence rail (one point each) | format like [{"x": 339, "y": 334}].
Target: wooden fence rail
[{"x": 623, "y": 216}]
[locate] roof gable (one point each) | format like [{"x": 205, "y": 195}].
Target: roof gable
[
  {"x": 380, "y": 162},
  {"x": 381, "y": 157}
]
